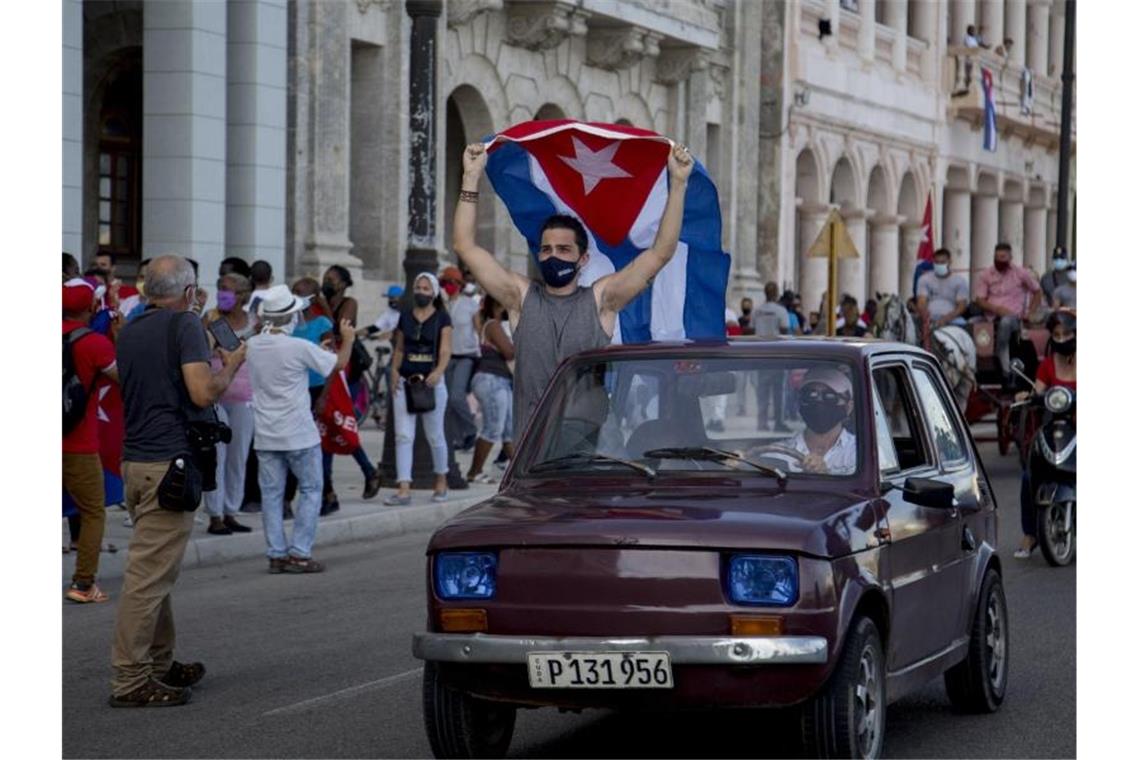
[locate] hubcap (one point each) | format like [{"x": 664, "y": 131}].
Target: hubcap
[
  {"x": 867, "y": 707},
  {"x": 1060, "y": 540},
  {"x": 995, "y": 640}
]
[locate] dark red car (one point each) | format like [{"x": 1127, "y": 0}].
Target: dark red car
[{"x": 760, "y": 523}]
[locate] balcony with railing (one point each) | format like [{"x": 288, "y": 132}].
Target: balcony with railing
[{"x": 1035, "y": 119}]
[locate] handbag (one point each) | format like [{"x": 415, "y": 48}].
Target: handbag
[
  {"x": 360, "y": 360},
  {"x": 336, "y": 420},
  {"x": 420, "y": 397},
  {"x": 180, "y": 489}
]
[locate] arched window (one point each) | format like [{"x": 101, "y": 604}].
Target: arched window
[{"x": 119, "y": 139}]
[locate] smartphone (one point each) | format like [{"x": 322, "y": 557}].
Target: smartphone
[{"x": 225, "y": 335}]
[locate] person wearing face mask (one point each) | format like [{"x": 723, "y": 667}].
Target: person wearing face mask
[
  {"x": 1057, "y": 276},
  {"x": 235, "y": 408},
  {"x": 943, "y": 297},
  {"x": 462, "y": 306},
  {"x": 420, "y": 354},
  {"x": 164, "y": 368},
  {"x": 1058, "y": 368},
  {"x": 386, "y": 323},
  {"x": 1006, "y": 293},
  {"x": 825, "y": 446},
  {"x": 558, "y": 317},
  {"x": 285, "y": 434}
]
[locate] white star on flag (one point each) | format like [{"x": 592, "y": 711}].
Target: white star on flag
[
  {"x": 594, "y": 166},
  {"x": 102, "y": 415}
]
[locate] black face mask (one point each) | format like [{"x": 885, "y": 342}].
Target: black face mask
[
  {"x": 422, "y": 299},
  {"x": 821, "y": 416},
  {"x": 329, "y": 291},
  {"x": 556, "y": 272},
  {"x": 1064, "y": 347},
  {"x": 394, "y": 305},
  {"x": 746, "y": 312}
]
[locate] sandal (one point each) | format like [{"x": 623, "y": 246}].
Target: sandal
[
  {"x": 151, "y": 694},
  {"x": 277, "y": 565},
  {"x": 182, "y": 675},
  {"x": 298, "y": 565},
  {"x": 91, "y": 594}
]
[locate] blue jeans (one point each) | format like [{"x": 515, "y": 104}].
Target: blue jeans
[
  {"x": 460, "y": 422},
  {"x": 305, "y": 464},
  {"x": 495, "y": 399}
]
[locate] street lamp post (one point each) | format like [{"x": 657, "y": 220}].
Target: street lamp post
[{"x": 1066, "y": 124}]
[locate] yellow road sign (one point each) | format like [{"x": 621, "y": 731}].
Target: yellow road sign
[{"x": 834, "y": 230}]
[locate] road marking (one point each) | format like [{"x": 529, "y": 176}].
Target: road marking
[{"x": 351, "y": 691}]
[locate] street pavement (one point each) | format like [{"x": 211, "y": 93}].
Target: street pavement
[{"x": 321, "y": 666}]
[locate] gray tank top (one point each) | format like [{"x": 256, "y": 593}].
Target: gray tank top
[{"x": 550, "y": 328}]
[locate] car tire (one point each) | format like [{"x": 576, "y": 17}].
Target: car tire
[
  {"x": 1056, "y": 553},
  {"x": 460, "y": 725},
  {"x": 978, "y": 683},
  {"x": 848, "y": 717}
]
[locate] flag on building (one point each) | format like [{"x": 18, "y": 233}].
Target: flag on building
[
  {"x": 615, "y": 179},
  {"x": 989, "y": 127},
  {"x": 925, "y": 254}
]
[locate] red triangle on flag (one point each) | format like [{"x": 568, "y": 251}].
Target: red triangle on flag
[{"x": 926, "y": 247}]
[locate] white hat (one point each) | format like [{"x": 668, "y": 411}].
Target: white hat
[
  {"x": 279, "y": 301},
  {"x": 832, "y": 378}
]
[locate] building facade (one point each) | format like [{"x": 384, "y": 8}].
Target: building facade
[{"x": 284, "y": 130}]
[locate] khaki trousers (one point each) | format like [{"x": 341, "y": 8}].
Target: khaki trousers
[
  {"x": 83, "y": 479},
  {"x": 144, "y": 620}
]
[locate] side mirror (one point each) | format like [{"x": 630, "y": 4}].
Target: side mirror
[{"x": 927, "y": 492}]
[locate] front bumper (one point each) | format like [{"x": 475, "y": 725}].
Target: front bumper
[{"x": 683, "y": 650}]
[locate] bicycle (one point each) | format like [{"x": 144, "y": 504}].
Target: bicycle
[{"x": 375, "y": 380}]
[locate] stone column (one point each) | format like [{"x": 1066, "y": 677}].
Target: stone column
[
  {"x": 73, "y": 130},
  {"x": 1037, "y": 44},
  {"x": 956, "y": 229},
  {"x": 1050, "y": 231},
  {"x": 184, "y": 132},
  {"x": 984, "y": 234},
  {"x": 1015, "y": 30},
  {"x": 1036, "y": 254},
  {"x": 1057, "y": 38},
  {"x": 895, "y": 17},
  {"x": 831, "y": 42},
  {"x": 255, "y": 131},
  {"x": 853, "y": 272},
  {"x": 813, "y": 271},
  {"x": 962, "y": 15},
  {"x": 867, "y": 29},
  {"x": 911, "y": 239},
  {"x": 993, "y": 19},
  {"x": 696, "y": 106},
  {"x": 884, "y": 254},
  {"x": 327, "y": 125},
  {"x": 926, "y": 22},
  {"x": 1011, "y": 218}
]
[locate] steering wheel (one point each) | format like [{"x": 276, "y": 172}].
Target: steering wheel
[{"x": 778, "y": 450}]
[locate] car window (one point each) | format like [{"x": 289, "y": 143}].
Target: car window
[
  {"x": 888, "y": 457},
  {"x": 947, "y": 439},
  {"x": 901, "y": 417},
  {"x": 797, "y": 414}
]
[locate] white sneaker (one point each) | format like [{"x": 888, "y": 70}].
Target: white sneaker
[{"x": 128, "y": 522}]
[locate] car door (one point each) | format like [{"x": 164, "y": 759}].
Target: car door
[
  {"x": 956, "y": 467},
  {"x": 923, "y": 541}
]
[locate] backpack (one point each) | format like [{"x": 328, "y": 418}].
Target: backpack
[{"x": 74, "y": 392}]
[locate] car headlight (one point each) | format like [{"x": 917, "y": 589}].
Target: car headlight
[
  {"x": 465, "y": 575},
  {"x": 1058, "y": 399},
  {"x": 755, "y": 579}
]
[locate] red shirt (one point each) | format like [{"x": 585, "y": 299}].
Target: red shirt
[
  {"x": 1047, "y": 373},
  {"x": 93, "y": 353}
]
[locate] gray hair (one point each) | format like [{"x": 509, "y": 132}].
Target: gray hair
[
  {"x": 278, "y": 320},
  {"x": 168, "y": 276}
]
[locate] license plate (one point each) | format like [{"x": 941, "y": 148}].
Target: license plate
[{"x": 599, "y": 670}]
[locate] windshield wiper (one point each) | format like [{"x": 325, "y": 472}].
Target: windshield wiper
[
  {"x": 708, "y": 453},
  {"x": 572, "y": 459}
]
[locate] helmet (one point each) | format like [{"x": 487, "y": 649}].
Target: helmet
[
  {"x": 1065, "y": 317},
  {"x": 395, "y": 291}
]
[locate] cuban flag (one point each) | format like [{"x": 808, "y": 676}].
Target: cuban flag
[
  {"x": 615, "y": 179},
  {"x": 925, "y": 254},
  {"x": 989, "y": 129}
]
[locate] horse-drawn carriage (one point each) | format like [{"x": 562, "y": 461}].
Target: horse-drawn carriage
[{"x": 969, "y": 358}]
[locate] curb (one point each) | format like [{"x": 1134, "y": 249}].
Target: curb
[{"x": 212, "y": 551}]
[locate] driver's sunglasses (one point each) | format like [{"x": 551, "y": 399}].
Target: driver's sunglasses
[{"x": 823, "y": 394}]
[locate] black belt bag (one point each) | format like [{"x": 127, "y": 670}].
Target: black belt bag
[{"x": 181, "y": 487}]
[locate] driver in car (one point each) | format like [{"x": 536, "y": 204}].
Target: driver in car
[{"x": 825, "y": 446}]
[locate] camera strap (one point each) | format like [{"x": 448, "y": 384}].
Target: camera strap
[{"x": 174, "y": 368}]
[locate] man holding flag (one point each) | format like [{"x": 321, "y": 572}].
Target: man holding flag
[{"x": 560, "y": 317}]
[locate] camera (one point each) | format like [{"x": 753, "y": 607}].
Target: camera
[{"x": 203, "y": 437}]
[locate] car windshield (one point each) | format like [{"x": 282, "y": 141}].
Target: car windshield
[{"x": 758, "y": 416}]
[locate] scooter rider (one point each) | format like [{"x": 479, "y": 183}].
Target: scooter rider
[{"x": 1058, "y": 369}]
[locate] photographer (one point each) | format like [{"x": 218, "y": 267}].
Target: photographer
[
  {"x": 285, "y": 436},
  {"x": 168, "y": 389}
]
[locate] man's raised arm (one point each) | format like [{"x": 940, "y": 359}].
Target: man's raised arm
[
  {"x": 507, "y": 287},
  {"x": 621, "y": 287}
]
